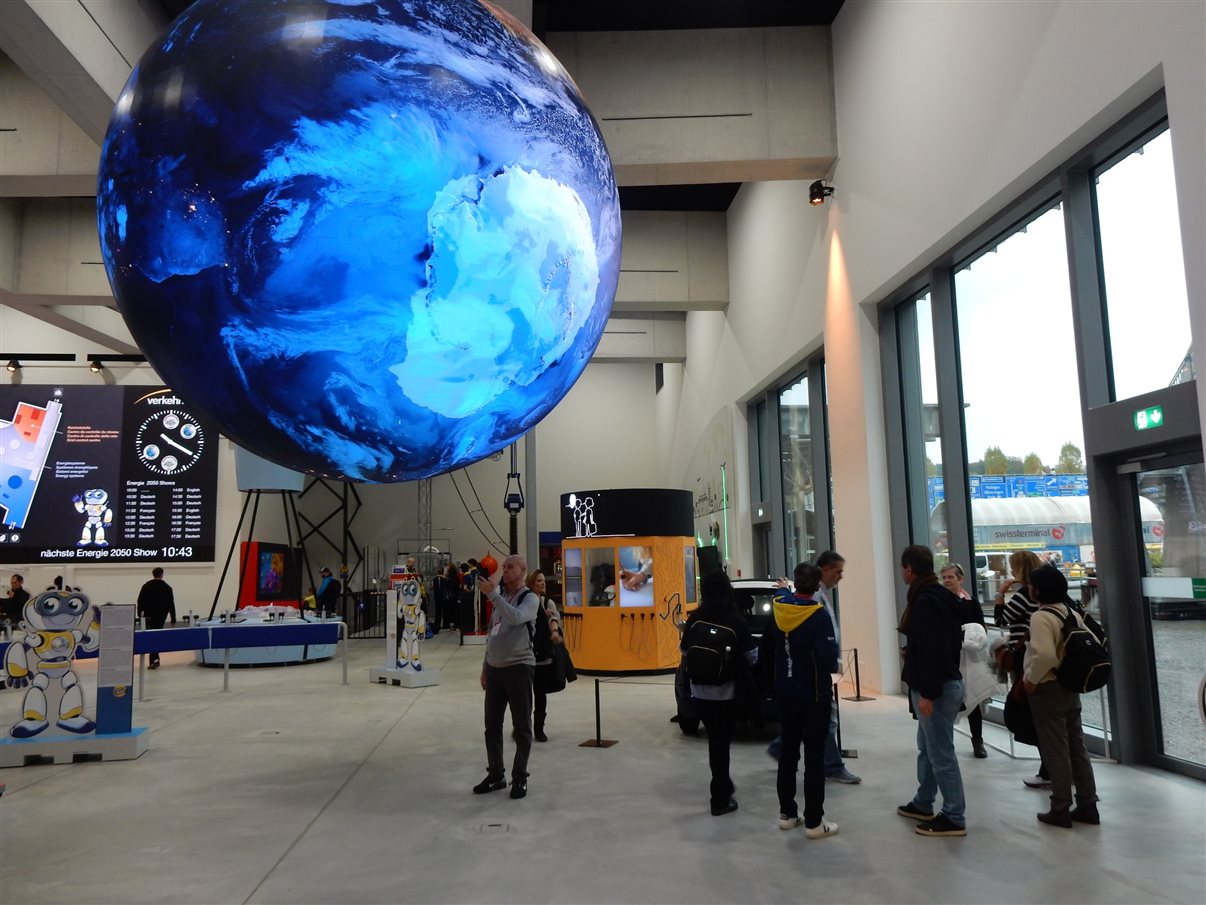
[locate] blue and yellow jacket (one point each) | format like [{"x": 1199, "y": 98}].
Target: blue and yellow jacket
[{"x": 806, "y": 653}]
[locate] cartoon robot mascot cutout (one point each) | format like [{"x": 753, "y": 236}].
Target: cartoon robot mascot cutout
[
  {"x": 56, "y": 624},
  {"x": 414, "y": 623},
  {"x": 95, "y": 504}
]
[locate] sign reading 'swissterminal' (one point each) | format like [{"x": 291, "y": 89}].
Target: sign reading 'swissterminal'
[{"x": 104, "y": 475}]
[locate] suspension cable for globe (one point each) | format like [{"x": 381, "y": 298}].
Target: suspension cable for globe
[
  {"x": 469, "y": 512},
  {"x": 481, "y": 508}
]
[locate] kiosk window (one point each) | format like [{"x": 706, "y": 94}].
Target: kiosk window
[
  {"x": 572, "y": 566},
  {"x": 636, "y": 576},
  {"x": 600, "y": 572},
  {"x": 689, "y": 573}
]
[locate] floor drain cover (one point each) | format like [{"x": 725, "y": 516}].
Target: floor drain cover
[{"x": 495, "y": 827}]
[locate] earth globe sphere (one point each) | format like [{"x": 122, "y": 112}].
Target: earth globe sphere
[{"x": 372, "y": 241}]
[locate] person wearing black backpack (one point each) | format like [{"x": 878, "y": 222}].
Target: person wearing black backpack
[
  {"x": 1056, "y": 709},
  {"x": 719, "y": 650}
]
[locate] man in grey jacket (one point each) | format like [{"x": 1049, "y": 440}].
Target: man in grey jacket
[{"x": 507, "y": 672}]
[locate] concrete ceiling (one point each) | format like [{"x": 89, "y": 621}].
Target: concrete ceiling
[{"x": 80, "y": 53}]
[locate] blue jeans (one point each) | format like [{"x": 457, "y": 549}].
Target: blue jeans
[
  {"x": 833, "y": 754},
  {"x": 937, "y": 766}
]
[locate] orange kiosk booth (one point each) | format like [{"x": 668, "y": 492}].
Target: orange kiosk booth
[{"x": 628, "y": 575}]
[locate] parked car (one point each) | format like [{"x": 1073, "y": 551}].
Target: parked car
[{"x": 755, "y": 597}]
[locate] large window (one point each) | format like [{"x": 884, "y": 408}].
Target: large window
[
  {"x": 799, "y": 491},
  {"x": 1022, "y": 418},
  {"x": 1144, "y": 275},
  {"x": 1014, "y": 355}
]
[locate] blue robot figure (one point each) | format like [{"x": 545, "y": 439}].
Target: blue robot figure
[
  {"x": 94, "y": 503},
  {"x": 55, "y": 625}
]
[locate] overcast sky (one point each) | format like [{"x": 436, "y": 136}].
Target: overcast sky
[{"x": 1015, "y": 318}]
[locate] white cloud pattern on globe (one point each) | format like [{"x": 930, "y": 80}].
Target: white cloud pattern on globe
[{"x": 372, "y": 241}]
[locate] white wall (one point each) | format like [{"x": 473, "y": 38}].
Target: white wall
[{"x": 946, "y": 111}]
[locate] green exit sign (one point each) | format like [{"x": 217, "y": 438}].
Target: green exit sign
[{"x": 1146, "y": 419}]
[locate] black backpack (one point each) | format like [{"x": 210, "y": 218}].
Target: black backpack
[
  {"x": 1086, "y": 663},
  {"x": 709, "y": 652}
]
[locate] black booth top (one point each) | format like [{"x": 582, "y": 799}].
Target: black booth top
[{"x": 639, "y": 512}]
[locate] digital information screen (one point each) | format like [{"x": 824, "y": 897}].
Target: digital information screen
[{"x": 105, "y": 474}]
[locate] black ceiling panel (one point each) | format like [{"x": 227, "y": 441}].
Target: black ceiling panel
[
  {"x": 715, "y": 196},
  {"x": 656, "y": 15}
]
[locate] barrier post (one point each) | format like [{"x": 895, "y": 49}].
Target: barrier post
[
  {"x": 858, "y": 687},
  {"x": 343, "y": 631},
  {"x": 225, "y": 669},
  {"x": 598, "y": 741}
]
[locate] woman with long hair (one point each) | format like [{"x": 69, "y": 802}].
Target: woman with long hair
[
  {"x": 716, "y": 636},
  {"x": 1012, "y": 611},
  {"x": 547, "y": 634},
  {"x": 978, "y": 680}
]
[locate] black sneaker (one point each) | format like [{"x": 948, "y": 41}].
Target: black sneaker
[
  {"x": 540, "y": 736},
  {"x": 1086, "y": 813},
  {"x": 913, "y": 812},
  {"x": 1056, "y": 818},
  {"x": 519, "y": 788},
  {"x": 490, "y": 784},
  {"x": 978, "y": 748},
  {"x": 728, "y": 808},
  {"x": 939, "y": 826}
]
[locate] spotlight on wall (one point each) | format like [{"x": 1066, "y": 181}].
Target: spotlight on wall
[
  {"x": 95, "y": 365},
  {"x": 13, "y": 366},
  {"x": 819, "y": 191}
]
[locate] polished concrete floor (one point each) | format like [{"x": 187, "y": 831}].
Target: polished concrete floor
[{"x": 295, "y": 788}]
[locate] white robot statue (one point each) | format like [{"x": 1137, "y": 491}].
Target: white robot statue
[
  {"x": 414, "y": 623},
  {"x": 95, "y": 503},
  {"x": 56, "y": 624}
]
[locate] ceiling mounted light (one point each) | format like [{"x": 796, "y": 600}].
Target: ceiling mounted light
[
  {"x": 97, "y": 360},
  {"x": 819, "y": 191},
  {"x": 14, "y": 366},
  {"x": 95, "y": 365}
]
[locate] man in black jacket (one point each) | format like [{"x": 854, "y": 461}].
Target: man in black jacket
[
  {"x": 14, "y": 603},
  {"x": 155, "y": 603},
  {"x": 933, "y": 637}
]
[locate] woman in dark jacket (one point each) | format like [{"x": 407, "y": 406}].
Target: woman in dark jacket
[
  {"x": 806, "y": 657},
  {"x": 715, "y": 700}
]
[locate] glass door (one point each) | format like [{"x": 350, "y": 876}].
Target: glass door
[{"x": 1171, "y": 504}]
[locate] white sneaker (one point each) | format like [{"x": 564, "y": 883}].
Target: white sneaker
[
  {"x": 789, "y": 823},
  {"x": 1036, "y": 782},
  {"x": 821, "y": 830}
]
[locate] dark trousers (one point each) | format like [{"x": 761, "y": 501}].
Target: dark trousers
[
  {"x": 808, "y": 722},
  {"x": 975, "y": 723},
  {"x": 1062, "y": 743},
  {"x": 719, "y": 718},
  {"x": 542, "y": 702},
  {"x": 508, "y": 686},
  {"x": 154, "y": 620}
]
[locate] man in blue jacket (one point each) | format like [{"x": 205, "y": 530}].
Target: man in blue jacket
[{"x": 806, "y": 656}]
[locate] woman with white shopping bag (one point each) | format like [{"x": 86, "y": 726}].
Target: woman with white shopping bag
[{"x": 979, "y": 682}]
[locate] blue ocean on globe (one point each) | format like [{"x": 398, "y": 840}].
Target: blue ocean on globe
[{"x": 372, "y": 241}]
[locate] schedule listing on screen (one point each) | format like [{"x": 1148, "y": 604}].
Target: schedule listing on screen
[{"x": 105, "y": 474}]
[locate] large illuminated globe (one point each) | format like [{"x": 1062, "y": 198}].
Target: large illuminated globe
[{"x": 375, "y": 241}]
